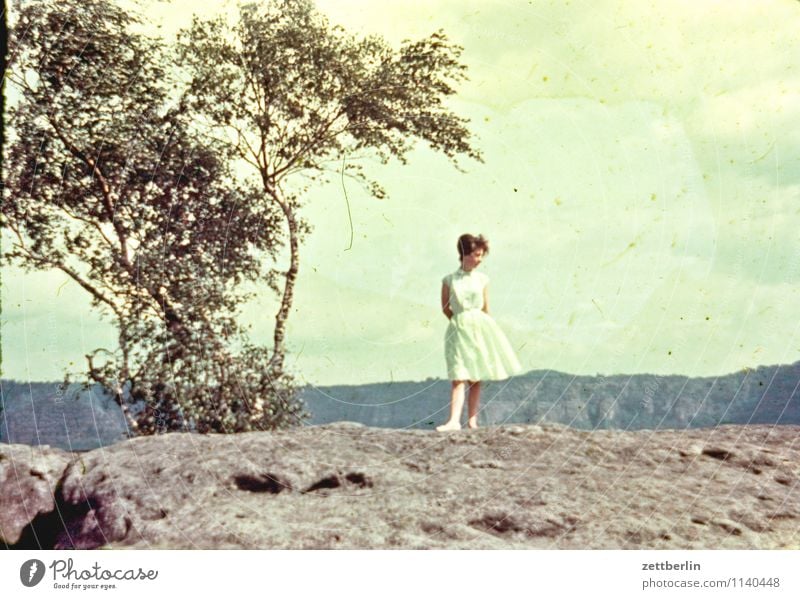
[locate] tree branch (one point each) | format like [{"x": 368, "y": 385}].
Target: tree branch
[
  {"x": 88, "y": 222},
  {"x": 107, "y": 202},
  {"x": 41, "y": 261},
  {"x": 310, "y": 143}
]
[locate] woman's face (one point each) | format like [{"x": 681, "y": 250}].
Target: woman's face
[{"x": 472, "y": 260}]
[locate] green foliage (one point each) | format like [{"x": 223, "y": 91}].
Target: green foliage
[{"x": 107, "y": 183}]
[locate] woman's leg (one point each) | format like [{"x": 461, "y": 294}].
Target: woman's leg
[
  {"x": 474, "y": 403},
  {"x": 456, "y": 407}
]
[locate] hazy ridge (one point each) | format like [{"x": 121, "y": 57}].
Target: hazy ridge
[
  {"x": 41, "y": 414},
  {"x": 765, "y": 395}
]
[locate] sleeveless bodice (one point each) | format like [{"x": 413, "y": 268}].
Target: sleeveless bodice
[{"x": 466, "y": 290}]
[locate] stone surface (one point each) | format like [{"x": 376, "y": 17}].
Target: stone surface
[
  {"x": 520, "y": 486},
  {"x": 28, "y": 480}
]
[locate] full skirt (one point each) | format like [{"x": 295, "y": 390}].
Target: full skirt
[{"x": 477, "y": 350}]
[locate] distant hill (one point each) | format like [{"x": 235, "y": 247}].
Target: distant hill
[
  {"x": 40, "y": 414},
  {"x": 73, "y": 419},
  {"x": 765, "y": 395}
]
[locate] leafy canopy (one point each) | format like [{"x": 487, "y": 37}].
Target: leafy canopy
[{"x": 298, "y": 94}]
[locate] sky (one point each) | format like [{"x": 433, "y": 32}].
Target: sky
[{"x": 640, "y": 191}]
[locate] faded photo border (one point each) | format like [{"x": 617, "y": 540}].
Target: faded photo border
[{"x": 635, "y": 167}]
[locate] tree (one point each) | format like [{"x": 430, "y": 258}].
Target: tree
[
  {"x": 292, "y": 95},
  {"x": 106, "y": 183},
  {"x": 4, "y": 59}
]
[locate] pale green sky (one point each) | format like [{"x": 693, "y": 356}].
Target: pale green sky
[{"x": 641, "y": 192}]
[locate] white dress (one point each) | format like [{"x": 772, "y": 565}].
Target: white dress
[{"x": 475, "y": 348}]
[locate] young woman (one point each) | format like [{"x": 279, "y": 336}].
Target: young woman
[{"x": 475, "y": 348}]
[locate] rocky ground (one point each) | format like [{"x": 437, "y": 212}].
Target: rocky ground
[{"x": 348, "y": 486}]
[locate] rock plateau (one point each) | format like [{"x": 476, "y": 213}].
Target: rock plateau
[{"x": 344, "y": 485}]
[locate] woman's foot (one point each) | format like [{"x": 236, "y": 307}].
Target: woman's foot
[
  {"x": 449, "y": 426},
  {"x": 473, "y": 423}
]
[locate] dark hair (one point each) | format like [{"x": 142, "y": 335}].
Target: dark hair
[{"x": 469, "y": 243}]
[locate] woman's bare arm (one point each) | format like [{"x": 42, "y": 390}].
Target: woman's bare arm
[
  {"x": 446, "y": 301},
  {"x": 486, "y": 299}
]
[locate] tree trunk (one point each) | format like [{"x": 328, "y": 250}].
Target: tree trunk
[{"x": 279, "y": 347}]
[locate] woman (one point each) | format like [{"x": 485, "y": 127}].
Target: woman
[{"x": 475, "y": 347}]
